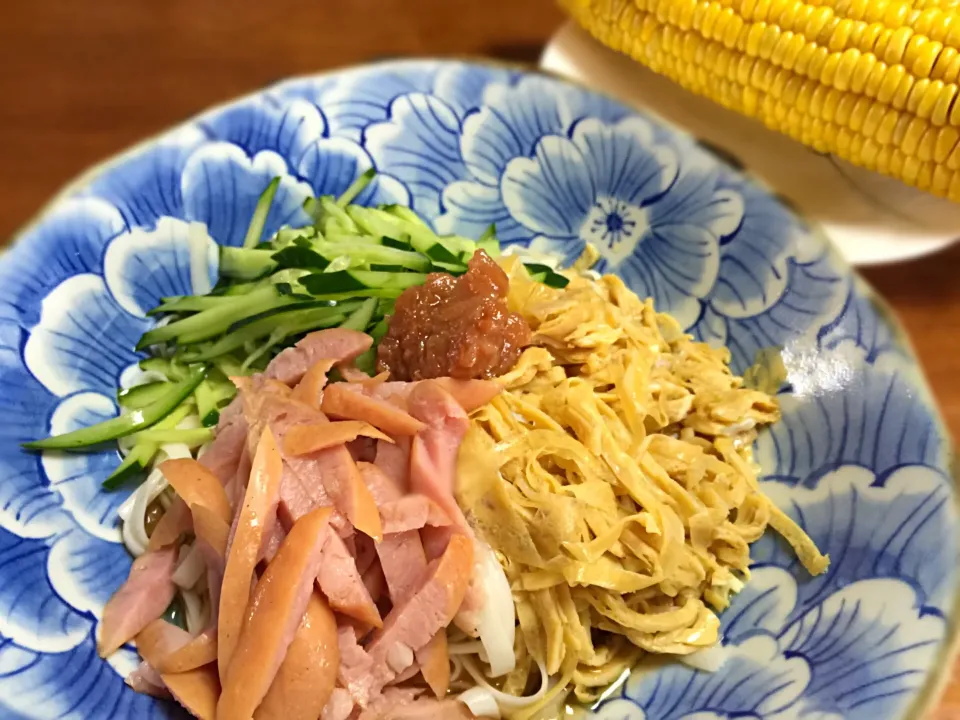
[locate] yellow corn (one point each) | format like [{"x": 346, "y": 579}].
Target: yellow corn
[{"x": 872, "y": 81}]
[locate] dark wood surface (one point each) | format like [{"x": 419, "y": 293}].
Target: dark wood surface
[{"x": 84, "y": 79}]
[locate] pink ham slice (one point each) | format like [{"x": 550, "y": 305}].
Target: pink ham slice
[
  {"x": 433, "y": 464},
  {"x": 223, "y": 456},
  {"x": 420, "y": 709},
  {"x": 412, "y": 513},
  {"x": 140, "y": 600},
  {"x": 339, "y": 707},
  {"x": 275, "y": 612},
  {"x": 469, "y": 394},
  {"x": 341, "y": 581},
  {"x": 433, "y": 455},
  {"x": 412, "y": 624},
  {"x": 335, "y": 344},
  {"x": 147, "y": 681},
  {"x": 393, "y": 459}
]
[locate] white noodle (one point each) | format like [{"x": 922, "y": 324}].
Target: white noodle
[
  {"x": 190, "y": 569},
  {"x": 195, "y": 615},
  {"x": 503, "y": 699}
]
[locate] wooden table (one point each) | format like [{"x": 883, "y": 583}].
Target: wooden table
[{"x": 82, "y": 80}]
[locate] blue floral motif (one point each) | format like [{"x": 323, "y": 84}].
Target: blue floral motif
[
  {"x": 82, "y": 341},
  {"x": 147, "y": 186},
  {"x": 859, "y": 460},
  {"x": 894, "y": 527},
  {"x": 420, "y": 146},
  {"x": 70, "y": 240}
]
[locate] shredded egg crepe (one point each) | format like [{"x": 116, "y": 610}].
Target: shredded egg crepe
[{"x": 614, "y": 478}]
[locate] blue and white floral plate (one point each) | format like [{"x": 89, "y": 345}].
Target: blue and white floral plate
[{"x": 860, "y": 459}]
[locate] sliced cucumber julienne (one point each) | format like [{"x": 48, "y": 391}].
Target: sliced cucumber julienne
[
  {"x": 335, "y": 217},
  {"x": 260, "y": 213},
  {"x": 404, "y": 213},
  {"x": 296, "y": 321},
  {"x": 356, "y": 187},
  {"x": 297, "y": 257},
  {"x": 246, "y": 263},
  {"x": 172, "y": 368},
  {"x": 360, "y": 318},
  {"x": 546, "y": 275},
  {"x": 216, "y": 320},
  {"x": 189, "y": 303},
  {"x": 192, "y": 437},
  {"x": 374, "y": 254},
  {"x": 348, "y": 281},
  {"x": 289, "y": 236},
  {"x": 124, "y": 425},
  {"x": 137, "y": 462},
  {"x": 488, "y": 242},
  {"x": 403, "y": 244},
  {"x": 140, "y": 396},
  {"x": 368, "y": 360}
]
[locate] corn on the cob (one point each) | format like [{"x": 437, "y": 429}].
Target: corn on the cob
[{"x": 873, "y": 81}]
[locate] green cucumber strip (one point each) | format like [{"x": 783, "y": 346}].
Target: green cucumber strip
[
  {"x": 311, "y": 206},
  {"x": 296, "y": 257},
  {"x": 379, "y": 330},
  {"x": 288, "y": 236},
  {"x": 404, "y": 213},
  {"x": 340, "y": 237},
  {"x": 141, "y": 454},
  {"x": 216, "y": 320},
  {"x": 388, "y": 241},
  {"x": 189, "y": 303},
  {"x": 193, "y": 437},
  {"x": 278, "y": 334},
  {"x": 368, "y": 360},
  {"x": 137, "y": 461},
  {"x": 259, "y": 219},
  {"x": 124, "y": 424},
  {"x": 140, "y": 396},
  {"x": 334, "y": 217},
  {"x": 229, "y": 366},
  {"x": 374, "y": 254},
  {"x": 245, "y": 263},
  {"x": 206, "y": 398},
  {"x": 356, "y": 187},
  {"x": 296, "y": 321},
  {"x": 361, "y": 317},
  {"x": 170, "y": 367},
  {"x": 546, "y": 275},
  {"x": 348, "y": 281},
  {"x": 555, "y": 280}
]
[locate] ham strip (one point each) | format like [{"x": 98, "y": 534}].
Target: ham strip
[
  {"x": 147, "y": 681},
  {"x": 469, "y": 394},
  {"x": 276, "y": 610},
  {"x": 175, "y": 522},
  {"x": 350, "y": 404},
  {"x": 306, "y": 439},
  {"x": 412, "y": 624},
  {"x": 222, "y": 457},
  {"x": 335, "y": 344},
  {"x": 310, "y": 389},
  {"x": 411, "y": 513},
  {"x": 143, "y": 598},
  {"x": 196, "y": 485},
  {"x": 196, "y": 690},
  {"x": 259, "y": 502},
  {"x": 307, "y": 675},
  {"x": 341, "y": 581},
  {"x": 394, "y": 461}
]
